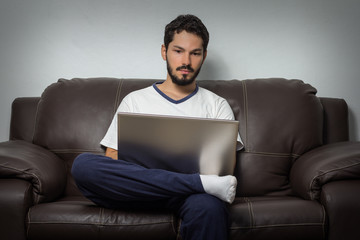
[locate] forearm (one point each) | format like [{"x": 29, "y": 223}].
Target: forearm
[{"x": 112, "y": 153}]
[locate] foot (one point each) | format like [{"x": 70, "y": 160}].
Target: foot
[{"x": 223, "y": 187}]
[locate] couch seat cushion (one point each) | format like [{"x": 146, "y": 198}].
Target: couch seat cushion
[
  {"x": 277, "y": 218},
  {"x": 78, "y": 218}
]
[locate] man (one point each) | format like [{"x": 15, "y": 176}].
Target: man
[{"x": 199, "y": 200}]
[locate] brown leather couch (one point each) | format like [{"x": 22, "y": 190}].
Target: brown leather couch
[{"x": 299, "y": 176}]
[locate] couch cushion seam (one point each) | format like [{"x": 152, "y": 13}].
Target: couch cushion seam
[
  {"x": 293, "y": 155},
  {"x": 246, "y": 113},
  {"x": 74, "y": 150},
  {"x": 101, "y": 210},
  {"x": 251, "y": 212},
  {"x": 339, "y": 168},
  {"x": 118, "y": 94},
  {"x": 324, "y": 221},
  {"x": 280, "y": 225},
  {"x": 98, "y": 223},
  {"x": 178, "y": 236},
  {"x": 28, "y": 221},
  {"x": 71, "y": 149},
  {"x": 173, "y": 223},
  {"x": 35, "y": 122}
]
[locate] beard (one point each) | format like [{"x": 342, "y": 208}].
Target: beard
[{"x": 184, "y": 81}]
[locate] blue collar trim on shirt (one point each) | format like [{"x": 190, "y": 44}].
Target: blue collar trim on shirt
[{"x": 172, "y": 100}]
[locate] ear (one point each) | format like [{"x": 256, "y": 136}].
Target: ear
[{"x": 163, "y": 52}]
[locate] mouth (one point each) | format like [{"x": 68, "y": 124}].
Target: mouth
[{"x": 184, "y": 70}]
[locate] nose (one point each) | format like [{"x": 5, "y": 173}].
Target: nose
[{"x": 186, "y": 59}]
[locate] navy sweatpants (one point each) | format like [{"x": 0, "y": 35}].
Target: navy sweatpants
[{"x": 116, "y": 183}]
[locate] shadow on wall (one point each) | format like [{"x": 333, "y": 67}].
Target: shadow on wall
[{"x": 214, "y": 68}]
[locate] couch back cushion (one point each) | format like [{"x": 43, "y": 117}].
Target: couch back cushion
[
  {"x": 73, "y": 116},
  {"x": 279, "y": 120}
]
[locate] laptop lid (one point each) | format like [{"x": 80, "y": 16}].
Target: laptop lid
[{"x": 179, "y": 144}]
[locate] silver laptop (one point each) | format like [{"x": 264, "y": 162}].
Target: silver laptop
[{"x": 179, "y": 144}]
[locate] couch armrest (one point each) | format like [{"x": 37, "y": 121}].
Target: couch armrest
[
  {"x": 341, "y": 200},
  {"x": 43, "y": 169},
  {"x": 332, "y": 162},
  {"x": 15, "y": 201}
]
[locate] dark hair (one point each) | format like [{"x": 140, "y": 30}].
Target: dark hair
[{"x": 190, "y": 24}]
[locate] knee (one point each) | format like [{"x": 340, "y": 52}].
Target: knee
[
  {"x": 205, "y": 205},
  {"x": 83, "y": 166}
]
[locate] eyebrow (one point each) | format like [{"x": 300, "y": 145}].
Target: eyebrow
[{"x": 195, "y": 50}]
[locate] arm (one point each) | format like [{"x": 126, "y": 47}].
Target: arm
[
  {"x": 110, "y": 139},
  {"x": 41, "y": 168},
  {"x": 112, "y": 153},
  {"x": 325, "y": 164}
]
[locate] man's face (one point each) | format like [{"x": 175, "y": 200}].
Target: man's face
[{"x": 184, "y": 58}]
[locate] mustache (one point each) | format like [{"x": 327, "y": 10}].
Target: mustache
[{"x": 185, "y": 67}]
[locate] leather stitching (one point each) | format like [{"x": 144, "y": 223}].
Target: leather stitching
[
  {"x": 100, "y": 224},
  {"x": 173, "y": 224},
  {"x": 28, "y": 221},
  {"x": 74, "y": 150},
  {"x": 313, "y": 181},
  {"x": 324, "y": 221},
  {"x": 254, "y": 226},
  {"x": 178, "y": 236},
  {"x": 101, "y": 210},
  {"x": 270, "y": 154},
  {"x": 36, "y": 121},
  {"x": 33, "y": 175},
  {"x": 245, "y": 113},
  {"x": 280, "y": 225},
  {"x": 118, "y": 94},
  {"x": 251, "y": 212}
]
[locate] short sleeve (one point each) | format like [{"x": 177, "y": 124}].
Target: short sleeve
[
  {"x": 225, "y": 112},
  {"x": 110, "y": 138}
]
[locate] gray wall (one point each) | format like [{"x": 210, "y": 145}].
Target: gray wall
[{"x": 313, "y": 40}]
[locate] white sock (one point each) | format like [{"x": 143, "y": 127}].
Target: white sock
[{"x": 223, "y": 187}]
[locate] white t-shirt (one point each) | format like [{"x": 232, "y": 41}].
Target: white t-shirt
[{"x": 201, "y": 103}]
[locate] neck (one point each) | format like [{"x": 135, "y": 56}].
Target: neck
[{"x": 175, "y": 91}]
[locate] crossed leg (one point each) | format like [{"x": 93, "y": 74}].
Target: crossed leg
[{"x": 114, "y": 183}]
